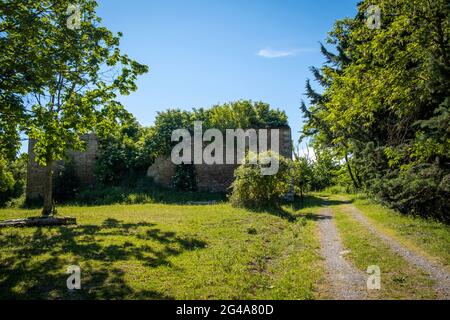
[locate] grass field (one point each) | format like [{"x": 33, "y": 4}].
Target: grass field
[
  {"x": 159, "y": 251},
  {"x": 172, "y": 251}
]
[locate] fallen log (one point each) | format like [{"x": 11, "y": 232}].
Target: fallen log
[{"x": 38, "y": 222}]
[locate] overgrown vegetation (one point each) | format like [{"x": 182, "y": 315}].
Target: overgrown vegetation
[
  {"x": 123, "y": 153},
  {"x": 252, "y": 189},
  {"x": 66, "y": 184},
  {"x": 13, "y": 175},
  {"x": 317, "y": 174},
  {"x": 385, "y": 106},
  {"x": 127, "y": 153},
  {"x": 185, "y": 178},
  {"x": 243, "y": 114},
  {"x": 140, "y": 191}
]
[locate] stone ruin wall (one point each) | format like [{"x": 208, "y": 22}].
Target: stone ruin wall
[
  {"x": 210, "y": 178},
  {"x": 84, "y": 165},
  {"x": 213, "y": 178}
]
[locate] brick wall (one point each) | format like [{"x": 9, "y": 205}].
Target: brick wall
[
  {"x": 212, "y": 178},
  {"x": 84, "y": 163}
]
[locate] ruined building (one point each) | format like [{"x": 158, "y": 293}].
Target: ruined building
[{"x": 210, "y": 178}]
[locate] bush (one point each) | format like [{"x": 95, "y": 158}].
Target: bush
[
  {"x": 421, "y": 191},
  {"x": 251, "y": 189},
  {"x": 12, "y": 179},
  {"x": 124, "y": 155},
  {"x": 66, "y": 183},
  {"x": 185, "y": 178}
]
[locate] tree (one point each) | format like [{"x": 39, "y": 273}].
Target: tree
[
  {"x": 390, "y": 104},
  {"x": 123, "y": 153},
  {"x": 242, "y": 114},
  {"x": 83, "y": 71},
  {"x": 302, "y": 173},
  {"x": 316, "y": 124},
  {"x": 15, "y": 181},
  {"x": 21, "y": 72}
]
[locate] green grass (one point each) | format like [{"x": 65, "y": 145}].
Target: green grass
[
  {"x": 160, "y": 251},
  {"x": 428, "y": 236},
  {"x": 141, "y": 191},
  {"x": 400, "y": 280},
  {"x": 174, "y": 251},
  {"x": 425, "y": 236}
]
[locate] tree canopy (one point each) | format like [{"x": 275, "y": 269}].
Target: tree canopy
[
  {"x": 132, "y": 148},
  {"x": 62, "y": 82},
  {"x": 386, "y": 102}
]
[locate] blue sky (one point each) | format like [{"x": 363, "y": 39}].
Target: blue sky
[{"x": 203, "y": 52}]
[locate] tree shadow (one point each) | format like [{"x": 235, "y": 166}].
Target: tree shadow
[
  {"x": 144, "y": 192},
  {"x": 290, "y": 211},
  {"x": 313, "y": 201},
  {"x": 33, "y": 265},
  {"x": 316, "y": 217},
  {"x": 277, "y": 211}
]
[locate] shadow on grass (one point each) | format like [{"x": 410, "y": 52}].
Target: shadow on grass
[
  {"x": 308, "y": 202},
  {"x": 289, "y": 211},
  {"x": 142, "y": 191},
  {"x": 313, "y": 202},
  {"x": 277, "y": 211},
  {"x": 33, "y": 265},
  {"x": 118, "y": 195}
]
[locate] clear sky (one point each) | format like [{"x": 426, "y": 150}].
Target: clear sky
[{"x": 203, "y": 52}]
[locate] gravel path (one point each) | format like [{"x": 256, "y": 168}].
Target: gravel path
[
  {"x": 347, "y": 282},
  {"x": 437, "y": 272}
]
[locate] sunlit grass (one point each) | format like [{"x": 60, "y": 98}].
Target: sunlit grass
[
  {"x": 158, "y": 251},
  {"x": 426, "y": 236},
  {"x": 400, "y": 280}
]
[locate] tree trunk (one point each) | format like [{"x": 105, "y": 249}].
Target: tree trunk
[
  {"x": 358, "y": 177},
  {"x": 301, "y": 191},
  {"x": 349, "y": 168},
  {"x": 48, "y": 190}
]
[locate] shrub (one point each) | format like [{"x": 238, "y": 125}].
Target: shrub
[
  {"x": 123, "y": 154},
  {"x": 66, "y": 183},
  {"x": 421, "y": 191},
  {"x": 252, "y": 189},
  {"x": 185, "y": 178},
  {"x": 12, "y": 179}
]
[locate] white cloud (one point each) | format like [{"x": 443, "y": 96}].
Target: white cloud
[{"x": 271, "y": 54}]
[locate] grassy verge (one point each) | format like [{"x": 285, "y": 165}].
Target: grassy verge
[
  {"x": 399, "y": 279},
  {"x": 425, "y": 236},
  {"x": 157, "y": 251},
  {"x": 428, "y": 236}
]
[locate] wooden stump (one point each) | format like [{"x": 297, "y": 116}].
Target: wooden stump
[{"x": 39, "y": 222}]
